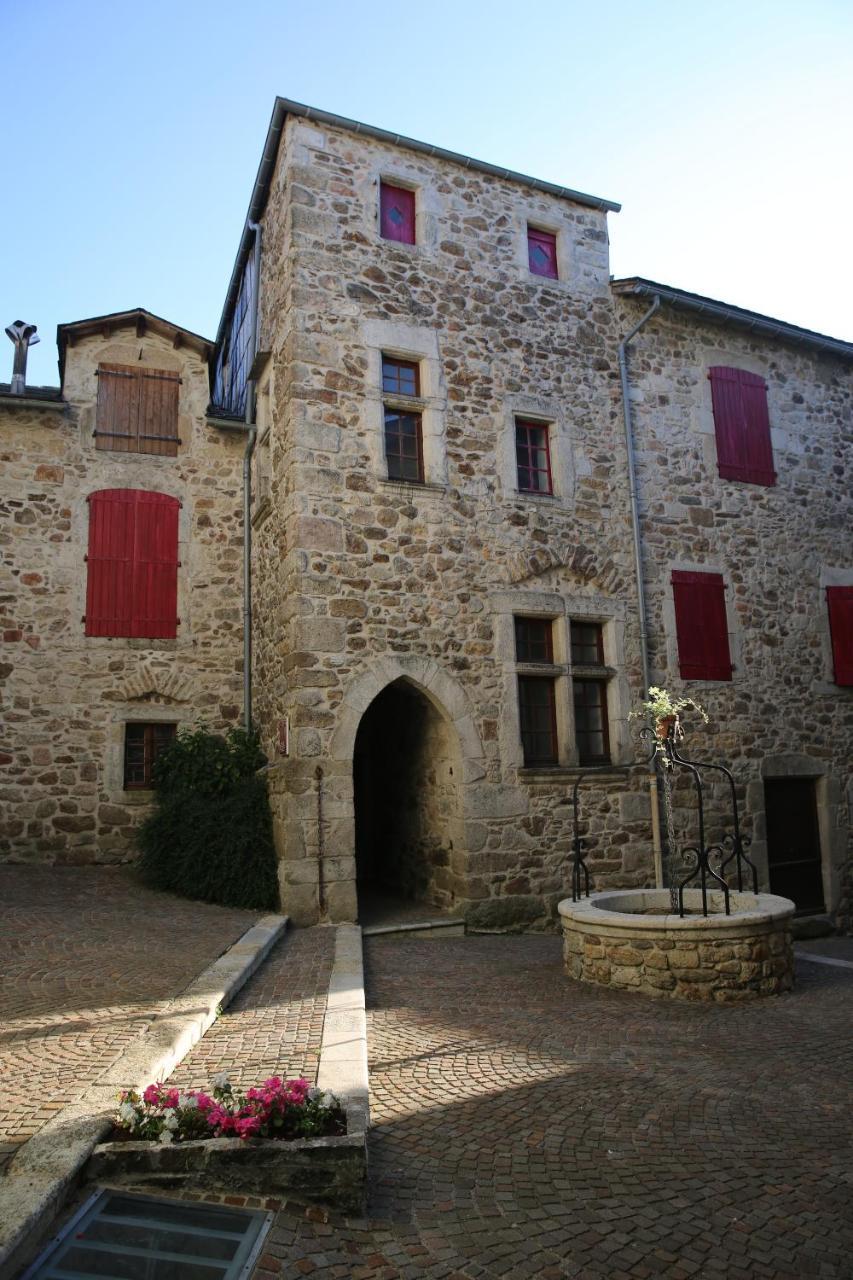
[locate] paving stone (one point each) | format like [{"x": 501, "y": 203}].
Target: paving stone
[
  {"x": 275, "y": 1024},
  {"x": 89, "y": 959},
  {"x": 525, "y": 1125}
]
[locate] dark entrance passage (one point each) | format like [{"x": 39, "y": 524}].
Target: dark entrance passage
[
  {"x": 793, "y": 842},
  {"x": 406, "y": 771}
]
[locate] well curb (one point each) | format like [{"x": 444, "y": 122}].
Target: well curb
[{"x": 43, "y": 1173}]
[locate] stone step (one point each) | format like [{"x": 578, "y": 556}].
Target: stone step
[
  {"x": 418, "y": 928},
  {"x": 819, "y": 926}
]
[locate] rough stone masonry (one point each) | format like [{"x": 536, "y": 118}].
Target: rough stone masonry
[{"x": 386, "y": 673}]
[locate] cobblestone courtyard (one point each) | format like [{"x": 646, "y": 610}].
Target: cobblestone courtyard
[
  {"x": 525, "y": 1126},
  {"x": 89, "y": 958}
]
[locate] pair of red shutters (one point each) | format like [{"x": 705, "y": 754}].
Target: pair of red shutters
[
  {"x": 132, "y": 584},
  {"x": 702, "y": 630}
]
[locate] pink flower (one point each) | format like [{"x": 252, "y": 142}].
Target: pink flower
[
  {"x": 204, "y": 1102},
  {"x": 152, "y": 1095}
]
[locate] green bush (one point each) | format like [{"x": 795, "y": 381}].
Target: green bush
[{"x": 210, "y": 836}]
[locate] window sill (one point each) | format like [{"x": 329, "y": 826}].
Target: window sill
[
  {"x": 527, "y": 495},
  {"x": 568, "y": 772},
  {"x": 134, "y": 797},
  {"x": 411, "y": 487}
]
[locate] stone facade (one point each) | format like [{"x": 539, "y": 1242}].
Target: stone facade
[
  {"x": 363, "y": 582},
  {"x": 777, "y": 547},
  {"x": 67, "y": 697},
  {"x": 385, "y": 673}
]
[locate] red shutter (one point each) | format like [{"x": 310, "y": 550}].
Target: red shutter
[
  {"x": 155, "y": 570},
  {"x": 110, "y": 562},
  {"x": 542, "y": 252},
  {"x": 132, "y": 581},
  {"x": 397, "y": 214},
  {"x": 742, "y": 426},
  {"x": 839, "y": 602},
  {"x": 700, "y": 623}
]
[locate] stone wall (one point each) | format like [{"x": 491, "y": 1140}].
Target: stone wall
[
  {"x": 65, "y": 696},
  {"x": 777, "y": 548},
  {"x": 614, "y": 940},
  {"x": 362, "y": 581}
]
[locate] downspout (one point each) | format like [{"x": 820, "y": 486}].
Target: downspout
[
  {"x": 251, "y": 438},
  {"x": 638, "y": 568}
]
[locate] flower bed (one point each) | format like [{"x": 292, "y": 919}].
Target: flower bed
[
  {"x": 282, "y": 1139},
  {"x": 281, "y": 1109}
]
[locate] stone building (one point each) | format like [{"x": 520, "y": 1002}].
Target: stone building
[
  {"x": 120, "y": 523},
  {"x": 446, "y": 631}
]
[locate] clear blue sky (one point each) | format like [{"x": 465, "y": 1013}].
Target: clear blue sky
[{"x": 131, "y": 134}]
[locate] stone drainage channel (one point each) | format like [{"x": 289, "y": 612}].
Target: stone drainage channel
[{"x": 69, "y": 1149}]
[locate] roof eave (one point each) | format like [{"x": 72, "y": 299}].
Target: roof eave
[
  {"x": 723, "y": 312},
  {"x": 137, "y": 316}
]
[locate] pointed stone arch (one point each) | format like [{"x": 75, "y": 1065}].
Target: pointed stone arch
[{"x": 434, "y": 683}]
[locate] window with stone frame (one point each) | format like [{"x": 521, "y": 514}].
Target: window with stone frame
[
  {"x": 542, "y": 253},
  {"x": 142, "y": 745},
  {"x": 537, "y": 690},
  {"x": 403, "y": 419},
  {"x": 589, "y": 692},
  {"x": 533, "y": 456},
  {"x": 396, "y": 213}
]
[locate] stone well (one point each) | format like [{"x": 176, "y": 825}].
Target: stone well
[{"x": 630, "y": 939}]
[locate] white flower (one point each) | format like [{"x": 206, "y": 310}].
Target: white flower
[
  {"x": 315, "y": 1094},
  {"x": 329, "y": 1100},
  {"x": 127, "y": 1112},
  {"x": 188, "y": 1100},
  {"x": 220, "y": 1080},
  {"x": 166, "y": 1136},
  {"x": 171, "y": 1122}
]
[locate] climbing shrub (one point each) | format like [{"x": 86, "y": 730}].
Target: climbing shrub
[{"x": 210, "y": 835}]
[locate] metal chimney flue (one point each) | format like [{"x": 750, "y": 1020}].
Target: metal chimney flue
[{"x": 23, "y": 336}]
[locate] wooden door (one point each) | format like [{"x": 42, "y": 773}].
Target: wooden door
[{"x": 793, "y": 842}]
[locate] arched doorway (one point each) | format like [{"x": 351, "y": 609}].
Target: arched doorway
[{"x": 406, "y": 774}]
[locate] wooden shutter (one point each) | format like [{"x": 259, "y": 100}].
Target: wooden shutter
[
  {"x": 701, "y": 628},
  {"x": 397, "y": 214},
  {"x": 742, "y": 426},
  {"x": 155, "y": 568},
  {"x": 158, "y": 412},
  {"x": 137, "y": 410},
  {"x": 109, "y": 583},
  {"x": 132, "y": 581},
  {"x": 118, "y": 408},
  {"x": 839, "y": 602}
]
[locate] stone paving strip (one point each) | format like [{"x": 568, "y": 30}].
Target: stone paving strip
[
  {"x": 275, "y": 1025},
  {"x": 40, "y": 1176},
  {"x": 525, "y": 1125},
  {"x": 89, "y": 958}
]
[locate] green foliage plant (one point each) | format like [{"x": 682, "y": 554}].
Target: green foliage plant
[
  {"x": 210, "y": 835},
  {"x": 665, "y": 710}
]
